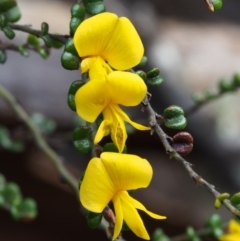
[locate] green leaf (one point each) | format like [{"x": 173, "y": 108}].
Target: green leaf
[
  {"x": 190, "y": 232},
  {"x": 141, "y": 74},
  {"x": 3, "y": 56},
  {"x": 94, "y": 6},
  {"x": 217, "y": 232},
  {"x": 6, "y": 4},
  {"x": 225, "y": 86},
  {"x": 82, "y": 139},
  {"x": 174, "y": 117},
  {"x": 143, "y": 62},
  {"x": 217, "y": 4},
  {"x": 214, "y": 221},
  {"x": 236, "y": 80},
  {"x": 94, "y": 219},
  {"x": 110, "y": 147},
  {"x": 47, "y": 125},
  {"x": 70, "y": 59},
  {"x": 8, "y": 32},
  {"x": 153, "y": 77},
  {"x": 56, "y": 44},
  {"x": 13, "y": 14},
  {"x": 2, "y": 182},
  {"x": 77, "y": 16},
  {"x": 23, "y": 51},
  {"x": 33, "y": 40},
  {"x": 12, "y": 194},
  {"x": 71, "y": 93},
  {"x": 27, "y": 209},
  {"x": 159, "y": 235},
  {"x": 235, "y": 200},
  {"x": 47, "y": 40},
  {"x": 43, "y": 53}
]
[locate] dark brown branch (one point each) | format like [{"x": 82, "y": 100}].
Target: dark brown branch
[
  {"x": 23, "y": 28},
  {"x": 187, "y": 166}
]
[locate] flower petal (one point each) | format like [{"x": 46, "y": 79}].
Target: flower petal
[
  {"x": 130, "y": 85},
  {"x": 124, "y": 49},
  {"x": 138, "y": 205},
  {"x": 132, "y": 218},
  {"x": 103, "y": 130},
  {"x": 97, "y": 189},
  {"x": 127, "y": 119},
  {"x": 112, "y": 38},
  {"x": 233, "y": 232},
  {"x": 127, "y": 171},
  {"x": 91, "y": 99},
  {"x": 93, "y": 34},
  {"x": 119, "y": 216},
  {"x": 118, "y": 128}
]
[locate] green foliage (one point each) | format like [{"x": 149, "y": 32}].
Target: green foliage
[
  {"x": 217, "y": 4},
  {"x": 77, "y": 16},
  {"x": 6, "y": 142},
  {"x": 215, "y": 224},
  {"x": 153, "y": 77},
  {"x": 94, "y": 7},
  {"x": 71, "y": 93},
  {"x": 143, "y": 62},
  {"x": 174, "y": 117},
  {"x": 24, "y": 209},
  {"x": 9, "y": 12},
  {"x": 94, "y": 219},
  {"x": 3, "y": 56},
  {"x": 46, "y": 125},
  {"x": 159, "y": 235},
  {"x": 110, "y": 147},
  {"x": 70, "y": 59},
  {"x": 82, "y": 139}
]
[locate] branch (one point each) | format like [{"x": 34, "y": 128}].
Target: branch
[
  {"x": 57, "y": 161},
  {"x": 187, "y": 166},
  {"x": 23, "y": 28}
]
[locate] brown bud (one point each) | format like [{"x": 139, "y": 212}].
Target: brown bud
[
  {"x": 109, "y": 214},
  {"x": 182, "y": 143}
]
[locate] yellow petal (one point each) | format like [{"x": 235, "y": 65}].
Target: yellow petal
[
  {"x": 234, "y": 227},
  {"x": 233, "y": 232},
  {"x": 130, "y": 85},
  {"x": 119, "y": 216},
  {"x": 93, "y": 34},
  {"x": 103, "y": 130},
  {"x": 97, "y": 189},
  {"x": 138, "y": 205},
  {"x": 91, "y": 99},
  {"x": 124, "y": 116},
  {"x": 132, "y": 218},
  {"x": 127, "y": 171},
  {"x": 118, "y": 129},
  {"x": 125, "y": 48},
  {"x": 112, "y": 38},
  {"x": 98, "y": 69}
]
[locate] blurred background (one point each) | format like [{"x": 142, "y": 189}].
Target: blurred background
[{"x": 194, "y": 48}]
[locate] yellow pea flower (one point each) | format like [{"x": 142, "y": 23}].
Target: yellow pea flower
[
  {"x": 113, "y": 39},
  {"x": 103, "y": 93},
  {"x": 108, "y": 178},
  {"x": 233, "y": 233}
]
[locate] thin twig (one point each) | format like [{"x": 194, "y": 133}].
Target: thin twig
[
  {"x": 20, "y": 112},
  {"x": 61, "y": 38},
  {"x": 187, "y": 166}
]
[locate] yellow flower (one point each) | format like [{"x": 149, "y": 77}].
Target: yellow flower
[
  {"x": 113, "y": 39},
  {"x": 103, "y": 94},
  {"x": 108, "y": 178},
  {"x": 101, "y": 41},
  {"x": 233, "y": 233}
]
